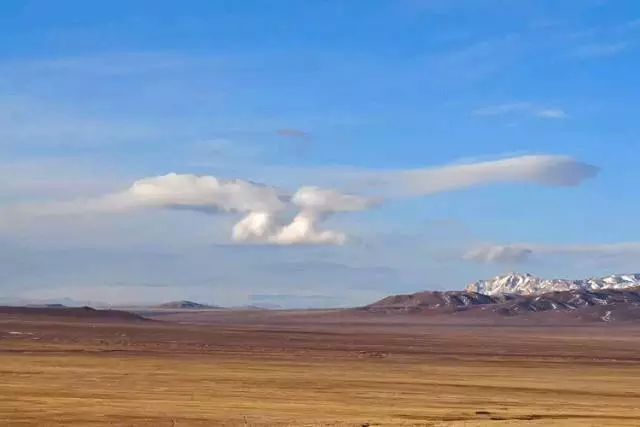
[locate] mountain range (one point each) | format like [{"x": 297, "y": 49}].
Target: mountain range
[
  {"x": 528, "y": 284},
  {"x": 610, "y": 298}
]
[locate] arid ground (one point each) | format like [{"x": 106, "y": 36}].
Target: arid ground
[{"x": 259, "y": 368}]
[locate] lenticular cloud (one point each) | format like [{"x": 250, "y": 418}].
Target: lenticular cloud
[{"x": 554, "y": 171}]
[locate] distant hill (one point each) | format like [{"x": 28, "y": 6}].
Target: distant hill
[
  {"x": 186, "y": 305},
  {"x": 49, "y": 302},
  {"x": 70, "y": 313},
  {"x": 263, "y": 306},
  {"x": 46, "y": 306}
]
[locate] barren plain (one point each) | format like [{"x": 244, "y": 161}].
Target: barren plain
[{"x": 313, "y": 368}]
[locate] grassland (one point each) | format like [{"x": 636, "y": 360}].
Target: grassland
[{"x": 167, "y": 375}]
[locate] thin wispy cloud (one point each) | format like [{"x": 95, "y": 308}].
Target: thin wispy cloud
[
  {"x": 523, "y": 252},
  {"x": 498, "y": 254},
  {"x": 600, "y": 50},
  {"x": 496, "y": 110},
  {"x": 226, "y": 150},
  {"x": 64, "y": 128},
  {"x": 55, "y": 178},
  {"x": 521, "y": 108},
  {"x": 551, "y": 113},
  {"x": 633, "y": 24}
]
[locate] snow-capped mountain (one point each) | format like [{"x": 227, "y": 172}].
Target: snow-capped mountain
[{"x": 528, "y": 284}]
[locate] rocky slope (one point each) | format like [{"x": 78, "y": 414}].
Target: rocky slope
[
  {"x": 450, "y": 300},
  {"x": 527, "y": 284},
  {"x": 602, "y": 305}
]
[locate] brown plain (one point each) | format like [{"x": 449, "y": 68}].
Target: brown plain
[{"x": 260, "y": 368}]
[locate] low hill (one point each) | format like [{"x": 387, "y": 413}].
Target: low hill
[
  {"x": 262, "y": 306},
  {"x": 46, "y": 306},
  {"x": 186, "y": 305},
  {"x": 71, "y": 313}
]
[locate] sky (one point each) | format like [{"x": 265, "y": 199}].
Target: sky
[{"x": 313, "y": 154}]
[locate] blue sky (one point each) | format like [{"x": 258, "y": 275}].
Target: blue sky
[{"x": 94, "y": 96}]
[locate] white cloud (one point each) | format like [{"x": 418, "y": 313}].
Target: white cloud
[
  {"x": 204, "y": 192},
  {"x": 316, "y": 204},
  {"x": 208, "y": 194},
  {"x": 264, "y": 207},
  {"x": 555, "y": 171},
  {"x": 498, "y": 254},
  {"x": 551, "y": 113},
  {"x": 521, "y": 252},
  {"x": 495, "y": 110},
  {"x": 110, "y": 64},
  {"x": 526, "y": 108}
]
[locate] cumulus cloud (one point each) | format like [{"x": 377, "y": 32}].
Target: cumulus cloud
[
  {"x": 265, "y": 208},
  {"x": 175, "y": 191},
  {"x": 256, "y": 226},
  {"x": 208, "y": 192},
  {"x": 302, "y": 229},
  {"x": 262, "y": 205},
  {"x": 316, "y": 204}
]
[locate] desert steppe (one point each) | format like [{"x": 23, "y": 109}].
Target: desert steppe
[{"x": 312, "y": 368}]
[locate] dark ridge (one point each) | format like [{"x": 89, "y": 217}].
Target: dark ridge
[
  {"x": 84, "y": 313},
  {"x": 46, "y": 306}
]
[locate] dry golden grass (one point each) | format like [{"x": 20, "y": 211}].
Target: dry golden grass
[
  {"x": 155, "y": 375},
  {"x": 198, "y": 391}
]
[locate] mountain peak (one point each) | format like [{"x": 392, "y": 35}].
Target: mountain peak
[
  {"x": 528, "y": 284},
  {"x": 515, "y": 274}
]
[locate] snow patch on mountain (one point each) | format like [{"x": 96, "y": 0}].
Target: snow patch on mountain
[{"x": 528, "y": 284}]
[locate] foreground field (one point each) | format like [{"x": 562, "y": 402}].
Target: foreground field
[{"x": 67, "y": 373}]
